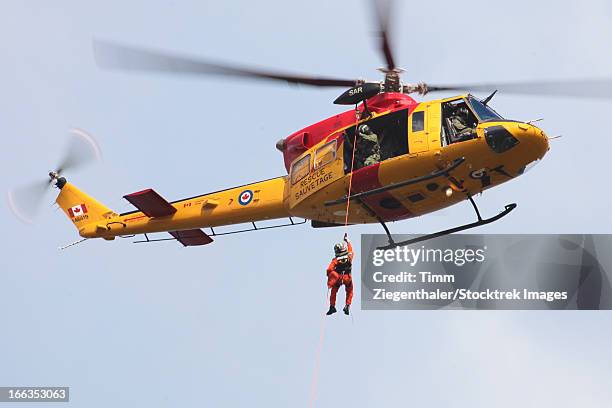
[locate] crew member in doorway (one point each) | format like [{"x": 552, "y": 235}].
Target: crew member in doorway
[
  {"x": 339, "y": 273},
  {"x": 368, "y": 145}
]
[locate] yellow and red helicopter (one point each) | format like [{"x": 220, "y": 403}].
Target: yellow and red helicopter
[{"x": 425, "y": 162}]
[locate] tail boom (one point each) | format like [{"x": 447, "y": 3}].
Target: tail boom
[{"x": 258, "y": 201}]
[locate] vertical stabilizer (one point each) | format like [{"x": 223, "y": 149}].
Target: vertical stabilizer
[{"x": 79, "y": 207}]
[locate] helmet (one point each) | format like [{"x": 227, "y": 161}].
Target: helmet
[
  {"x": 365, "y": 130},
  {"x": 340, "y": 250}
]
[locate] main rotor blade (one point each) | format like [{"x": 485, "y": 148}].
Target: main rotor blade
[
  {"x": 115, "y": 56},
  {"x": 382, "y": 9},
  {"x": 82, "y": 149},
  {"x": 25, "y": 202},
  {"x": 580, "y": 88}
]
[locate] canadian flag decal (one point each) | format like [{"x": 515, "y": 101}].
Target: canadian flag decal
[{"x": 77, "y": 210}]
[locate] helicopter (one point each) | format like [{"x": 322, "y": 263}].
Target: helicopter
[{"x": 425, "y": 162}]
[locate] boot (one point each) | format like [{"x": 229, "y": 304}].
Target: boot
[
  {"x": 346, "y": 309},
  {"x": 332, "y": 310}
]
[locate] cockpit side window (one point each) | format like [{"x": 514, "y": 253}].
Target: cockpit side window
[{"x": 458, "y": 121}]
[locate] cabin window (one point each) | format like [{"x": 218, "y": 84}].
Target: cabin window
[
  {"x": 300, "y": 169},
  {"x": 325, "y": 154},
  {"x": 418, "y": 121}
]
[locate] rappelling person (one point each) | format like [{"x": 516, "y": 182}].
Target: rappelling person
[
  {"x": 339, "y": 273},
  {"x": 368, "y": 145}
]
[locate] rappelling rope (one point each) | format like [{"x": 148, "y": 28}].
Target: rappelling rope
[
  {"x": 348, "y": 197},
  {"x": 315, "y": 375}
]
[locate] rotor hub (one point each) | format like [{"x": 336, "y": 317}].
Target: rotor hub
[
  {"x": 56, "y": 180},
  {"x": 392, "y": 82}
]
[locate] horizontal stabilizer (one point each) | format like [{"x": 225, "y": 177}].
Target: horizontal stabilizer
[
  {"x": 150, "y": 203},
  {"x": 192, "y": 237}
]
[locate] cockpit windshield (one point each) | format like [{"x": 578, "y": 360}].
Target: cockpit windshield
[{"x": 483, "y": 111}]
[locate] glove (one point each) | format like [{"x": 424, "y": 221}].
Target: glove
[{"x": 346, "y": 237}]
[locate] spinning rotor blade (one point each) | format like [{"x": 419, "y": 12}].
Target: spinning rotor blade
[
  {"x": 114, "y": 56},
  {"x": 581, "y": 88},
  {"x": 82, "y": 149},
  {"x": 382, "y": 9},
  {"x": 25, "y": 201}
]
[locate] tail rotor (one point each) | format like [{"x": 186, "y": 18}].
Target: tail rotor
[{"x": 25, "y": 201}]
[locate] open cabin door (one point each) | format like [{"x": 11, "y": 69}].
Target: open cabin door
[{"x": 315, "y": 170}]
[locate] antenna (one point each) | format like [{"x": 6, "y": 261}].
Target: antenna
[
  {"x": 488, "y": 98},
  {"x": 72, "y": 244}
]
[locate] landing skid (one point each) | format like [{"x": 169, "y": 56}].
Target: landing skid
[{"x": 481, "y": 221}]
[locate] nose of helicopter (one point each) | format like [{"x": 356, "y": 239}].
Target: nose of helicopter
[
  {"x": 533, "y": 139},
  {"x": 530, "y": 141}
]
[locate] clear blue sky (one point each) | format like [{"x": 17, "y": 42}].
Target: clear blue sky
[{"x": 237, "y": 323}]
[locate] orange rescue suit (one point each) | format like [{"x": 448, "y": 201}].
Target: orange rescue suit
[{"x": 339, "y": 273}]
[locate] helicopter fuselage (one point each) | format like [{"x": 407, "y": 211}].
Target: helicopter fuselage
[{"x": 416, "y": 140}]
